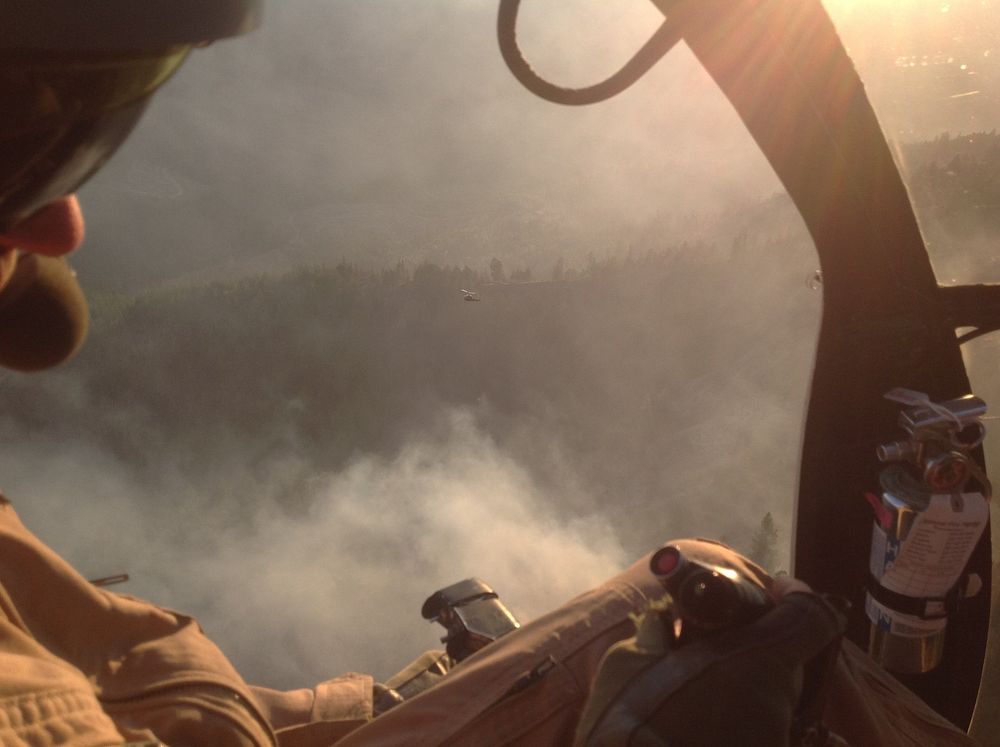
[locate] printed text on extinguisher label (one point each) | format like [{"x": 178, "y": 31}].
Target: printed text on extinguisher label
[{"x": 929, "y": 559}]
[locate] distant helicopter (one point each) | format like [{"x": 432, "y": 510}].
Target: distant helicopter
[{"x": 471, "y": 295}]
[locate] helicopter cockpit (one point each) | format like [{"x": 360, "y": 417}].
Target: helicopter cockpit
[{"x": 695, "y": 286}]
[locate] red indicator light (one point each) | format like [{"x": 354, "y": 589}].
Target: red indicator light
[{"x": 665, "y": 561}]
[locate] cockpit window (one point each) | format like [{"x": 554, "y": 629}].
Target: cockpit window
[
  {"x": 369, "y": 318},
  {"x": 931, "y": 70}
]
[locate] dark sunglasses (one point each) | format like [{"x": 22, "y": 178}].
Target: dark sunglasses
[{"x": 75, "y": 79}]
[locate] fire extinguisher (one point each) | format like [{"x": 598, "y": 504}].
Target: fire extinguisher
[{"x": 933, "y": 508}]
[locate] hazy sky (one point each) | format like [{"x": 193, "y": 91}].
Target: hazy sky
[{"x": 384, "y": 129}]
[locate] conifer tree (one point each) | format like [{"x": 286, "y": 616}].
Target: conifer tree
[{"x": 764, "y": 545}]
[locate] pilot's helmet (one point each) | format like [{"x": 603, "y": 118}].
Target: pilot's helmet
[{"x": 76, "y": 76}]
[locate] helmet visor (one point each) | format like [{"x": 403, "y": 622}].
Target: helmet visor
[{"x": 62, "y": 115}]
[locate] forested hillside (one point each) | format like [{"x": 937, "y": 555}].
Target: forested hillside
[
  {"x": 957, "y": 180},
  {"x": 588, "y": 381}
]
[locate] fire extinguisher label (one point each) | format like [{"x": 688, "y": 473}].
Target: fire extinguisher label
[{"x": 929, "y": 558}]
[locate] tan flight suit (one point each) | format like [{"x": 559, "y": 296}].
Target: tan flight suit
[
  {"x": 83, "y": 666},
  {"x": 87, "y": 667},
  {"x": 490, "y": 699}
]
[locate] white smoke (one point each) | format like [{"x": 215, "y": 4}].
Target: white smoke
[{"x": 296, "y": 598}]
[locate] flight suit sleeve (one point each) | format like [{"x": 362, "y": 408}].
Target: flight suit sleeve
[
  {"x": 150, "y": 670},
  {"x": 320, "y": 715}
]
